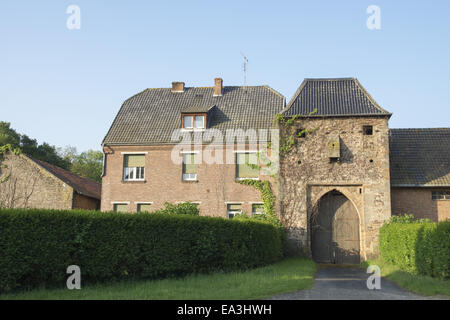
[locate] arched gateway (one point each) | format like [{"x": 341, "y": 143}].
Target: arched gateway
[{"x": 335, "y": 230}]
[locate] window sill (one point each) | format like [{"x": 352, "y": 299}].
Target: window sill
[
  {"x": 189, "y": 181},
  {"x": 134, "y": 181}
]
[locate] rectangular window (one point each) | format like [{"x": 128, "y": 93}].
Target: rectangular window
[
  {"x": 257, "y": 208},
  {"x": 189, "y": 167},
  {"x": 143, "y": 207},
  {"x": 188, "y": 122},
  {"x": 368, "y": 130},
  {"x": 134, "y": 167},
  {"x": 233, "y": 209},
  {"x": 194, "y": 122},
  {"x": 120, "y": 207},
  {"x": 440, "y": 195},
  {"x": 244, "y": 163},
  {"x": 199, "y": 122}
]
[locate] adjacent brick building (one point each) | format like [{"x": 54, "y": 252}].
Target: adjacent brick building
[
  {"x": 37, "y": 184},
  {"x": 333, "y": 186},
  {"x": 420, "y": 172}
]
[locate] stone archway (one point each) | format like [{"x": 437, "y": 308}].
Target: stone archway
[{"x": 335, "y": 230}]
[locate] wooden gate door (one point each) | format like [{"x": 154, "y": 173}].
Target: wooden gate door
[
  {"x": 335, "y": 230},
  {"x": 346, "y": 234}
]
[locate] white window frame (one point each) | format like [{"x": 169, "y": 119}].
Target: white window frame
[
  {"x": 133, "y": 170},
  {"x": 233, "y": 212}
]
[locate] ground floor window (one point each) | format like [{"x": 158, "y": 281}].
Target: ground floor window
[
  {"x": 144, "y": 207},
  {"x": 257, "y": 208},
  {"x": 233, "y": 209},
  {"x": 120, "y": 207}
]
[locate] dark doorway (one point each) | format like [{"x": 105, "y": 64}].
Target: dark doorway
[{"x": 335, "y": 230}]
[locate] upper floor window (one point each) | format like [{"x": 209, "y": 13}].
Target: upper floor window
[
  {"x": 246, "y": 166},
  {"x": 189, "y": 167},
  {"x": 194, "y": 122},
  {"x": 368, "y": 130},
  {"x": 134, "y": 167},
  {"x": 440, "y": 195}
]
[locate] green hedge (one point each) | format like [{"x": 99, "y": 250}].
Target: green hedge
[
  {"x": 37, "y": 246},
  {"x": 419, "y": 247}
]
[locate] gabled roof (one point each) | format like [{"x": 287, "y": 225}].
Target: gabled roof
[
  {"x": 420, "y": 157},
  {"x": 150, "y": 117},
  {"x": 333, "y": 97},
  {"x": 81, "y": 185}
]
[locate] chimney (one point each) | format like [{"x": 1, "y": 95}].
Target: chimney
[
  {"x": 177, "y": 86},
  {"x": 218, "y": 86}
]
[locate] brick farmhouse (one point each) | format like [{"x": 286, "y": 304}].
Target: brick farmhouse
[{"x": 344, "y": 175}]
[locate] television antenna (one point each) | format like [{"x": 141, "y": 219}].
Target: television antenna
[{"x": 244, "y": 68}]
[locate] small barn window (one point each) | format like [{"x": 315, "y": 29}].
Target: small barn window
[
  {"x": 368, "y": 130},
  {"x": 440, "y": 195}
]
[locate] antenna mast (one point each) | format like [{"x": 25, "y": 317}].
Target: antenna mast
[{"x": 244, "y": 67}]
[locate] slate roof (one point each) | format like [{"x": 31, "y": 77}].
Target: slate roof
[
  {"x": 150, "y": 117},
  {"x": 333, "y": 97},
  {"x": 81, "y": 185},
  {"x": 420, "y": 157}
]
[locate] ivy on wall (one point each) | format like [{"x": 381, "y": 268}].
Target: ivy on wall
[
  {"x": 268, "y": 199},
  {"x": 3, "y": 151},
  {"x": 288, "y": 142}
]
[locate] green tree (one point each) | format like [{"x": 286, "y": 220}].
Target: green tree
[
  {"x": 88, "y": 164},
  {"x": 8, "y": 135}
]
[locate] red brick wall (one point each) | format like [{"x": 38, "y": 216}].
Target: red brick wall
[
  {"x": 418, "y": 202},
  {"x": 163, "y": 183}
]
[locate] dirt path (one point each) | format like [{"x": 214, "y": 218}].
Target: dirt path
[{"x": 348, "y": 283}]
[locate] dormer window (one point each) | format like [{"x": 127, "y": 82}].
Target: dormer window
[{"x": 193, "y": 121}]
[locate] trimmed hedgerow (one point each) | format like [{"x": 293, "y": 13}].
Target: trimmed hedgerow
[
  {"x": 37, "y": 246},
  {"x": 418, "y": 247}
]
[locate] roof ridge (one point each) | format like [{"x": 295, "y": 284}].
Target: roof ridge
[{"x": 330, "y": 79}]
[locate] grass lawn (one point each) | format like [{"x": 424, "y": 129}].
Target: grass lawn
[
  {"x": 423, "y": 285},
  {"x": 286, "y": 276}
]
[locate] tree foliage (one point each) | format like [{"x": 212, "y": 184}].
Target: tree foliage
[{"x": 86, "y": 164}]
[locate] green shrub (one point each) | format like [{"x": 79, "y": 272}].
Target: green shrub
[
  {"x": 418, "y": 247},
  {"x": 37, "y": 246},
  {"x": 180, "y": 208}
]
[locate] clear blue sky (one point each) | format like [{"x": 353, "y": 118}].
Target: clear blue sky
[{"x": 65, "y": 86}]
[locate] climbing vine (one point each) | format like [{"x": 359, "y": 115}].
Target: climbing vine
[
  {"x": 3, "y": 150},
  {"x": 267, "y": 197},
  {"x": 288, "y": 142}
]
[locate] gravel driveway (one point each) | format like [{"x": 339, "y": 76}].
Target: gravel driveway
[{"x": 348, "y": 283}]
